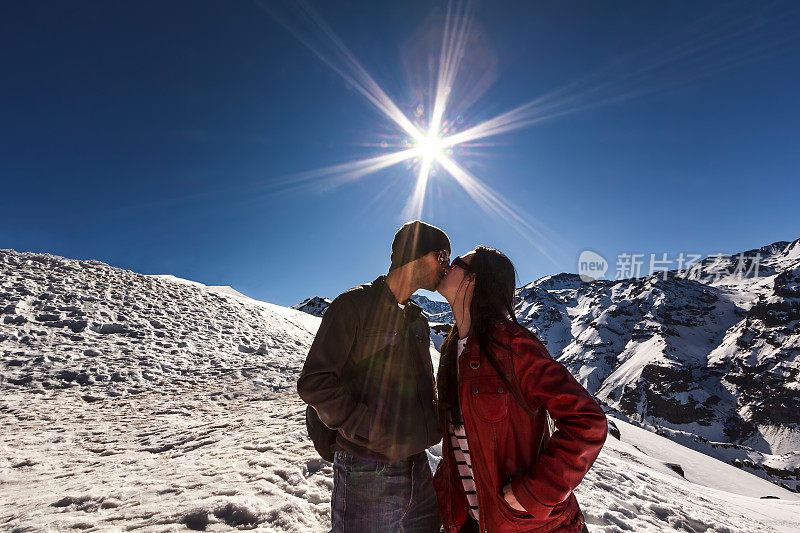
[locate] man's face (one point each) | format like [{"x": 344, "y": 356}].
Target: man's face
[{"x": 432, "y": 269}]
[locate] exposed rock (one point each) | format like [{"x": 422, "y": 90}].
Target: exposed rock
[
  {"x": 313, "y": 306},
  {"x": 675, "y": 468},
  {"x": 613, "y": 430}
]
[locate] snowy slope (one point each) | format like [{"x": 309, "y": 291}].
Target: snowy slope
[
  {"x": 83, "y": 325},
  {"x": 631, "y": 488}
]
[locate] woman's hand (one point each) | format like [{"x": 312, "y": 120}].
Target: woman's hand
[{"x": 511, "y": 500}]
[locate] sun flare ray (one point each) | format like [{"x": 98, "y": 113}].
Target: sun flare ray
[
  {"x": 336, "y": 175},
  {"x": 339, "y": 58},
  {"x": 492, "y": 202}
]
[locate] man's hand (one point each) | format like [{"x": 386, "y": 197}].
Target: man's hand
[{"x": 511, "y": 500}]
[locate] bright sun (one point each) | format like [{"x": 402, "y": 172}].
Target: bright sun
[
  {"x": 428, "y": 138},
  {"x": 430, "y": 147}
]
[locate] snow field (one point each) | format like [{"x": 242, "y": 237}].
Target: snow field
[
  {"x": 238, "y": 457},
  {"x": 204, "y": 460}
]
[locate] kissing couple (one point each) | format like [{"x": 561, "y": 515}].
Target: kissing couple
[{"x": 518, "y": 432}]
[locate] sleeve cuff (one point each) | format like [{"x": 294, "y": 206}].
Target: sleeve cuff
[{"x": 534, "y": 507}]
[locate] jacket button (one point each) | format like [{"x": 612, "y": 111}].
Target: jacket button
[
  {"x": 474, "y": 364},
  {"x": 500, "y": 390},
  {"x": 475, "y": 390}
]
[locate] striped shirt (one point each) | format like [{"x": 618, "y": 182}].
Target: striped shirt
[{"x": 458, "y": 438}]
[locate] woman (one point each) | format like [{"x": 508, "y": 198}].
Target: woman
[{"x": 501, "y": 469}]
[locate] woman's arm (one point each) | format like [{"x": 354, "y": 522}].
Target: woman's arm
[{"x": 580, "y": 422}]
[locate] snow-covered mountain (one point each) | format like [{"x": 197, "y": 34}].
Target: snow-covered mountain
[
  {"x": 154, "y": 403},
  {"x": 313, "y": 306},
  {"x": 707, "y": 357},
  {"x": 435, "y": 311}
]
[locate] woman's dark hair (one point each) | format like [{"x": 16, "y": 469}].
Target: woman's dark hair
[{"x": 492, "y": 300}]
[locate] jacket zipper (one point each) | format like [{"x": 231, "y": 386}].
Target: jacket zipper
[{"x": 417, "y": 367}]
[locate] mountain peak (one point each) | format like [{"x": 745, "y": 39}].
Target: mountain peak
[
  {"x": 316, "y": 305},
  {"x": 563, "y": 280}
]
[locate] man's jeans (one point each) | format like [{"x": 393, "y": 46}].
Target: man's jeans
[{"x": 373, "y": 497}]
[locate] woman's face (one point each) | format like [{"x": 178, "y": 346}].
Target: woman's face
[{"x": 455, "y": 284}]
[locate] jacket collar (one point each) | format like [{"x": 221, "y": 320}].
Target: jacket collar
[
  {"x": 471, "y": 344},
  {"x": 411, "y": 309},
  {"x": 472, "y": 351}
]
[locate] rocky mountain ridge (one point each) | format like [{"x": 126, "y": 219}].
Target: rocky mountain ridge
[{"x": 708, "y": 356}]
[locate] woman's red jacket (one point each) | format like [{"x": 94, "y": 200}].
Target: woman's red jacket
[{"x": 506, "y": 442}]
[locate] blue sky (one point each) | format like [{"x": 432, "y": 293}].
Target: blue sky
[{"x": 154, "y": 135}]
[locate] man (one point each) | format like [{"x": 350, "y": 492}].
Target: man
[{"x": 369, "y": 376}]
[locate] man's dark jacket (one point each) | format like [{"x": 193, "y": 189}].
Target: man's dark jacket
[{"x": 369, "y": 374}]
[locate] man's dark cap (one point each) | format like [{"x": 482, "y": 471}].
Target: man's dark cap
[{"x": 416, "y": 239}]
